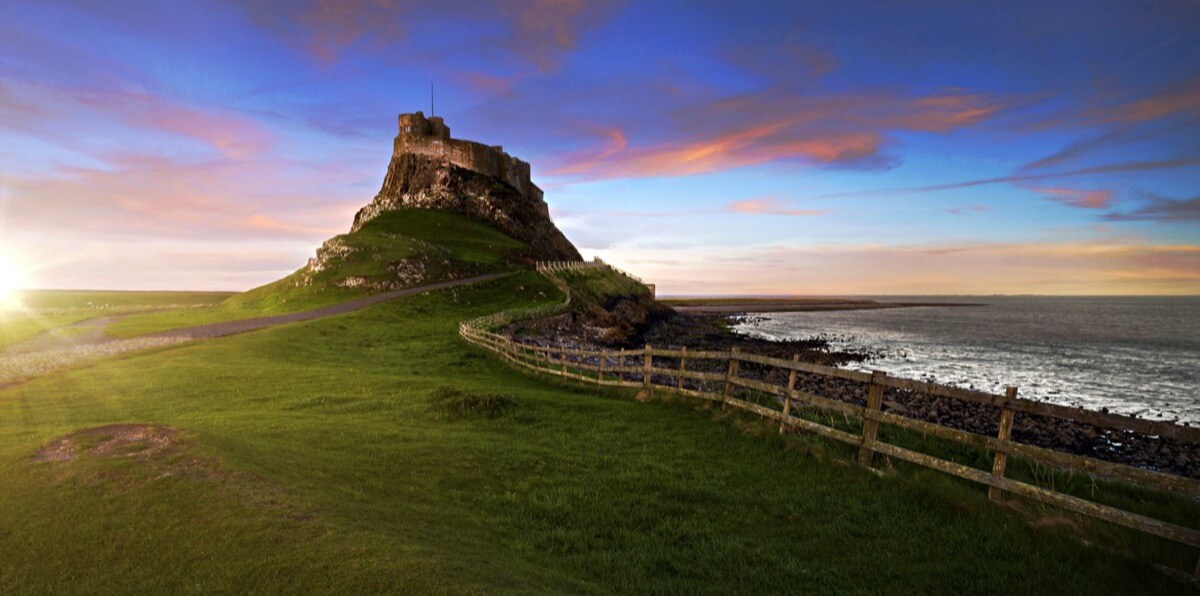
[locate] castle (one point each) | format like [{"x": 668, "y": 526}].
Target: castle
[{"x": 431, "y": 137}]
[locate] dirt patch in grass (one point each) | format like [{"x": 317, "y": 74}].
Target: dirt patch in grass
[
  {"x": 120, "y": 458},
  {"x": 114, "y": 440}
]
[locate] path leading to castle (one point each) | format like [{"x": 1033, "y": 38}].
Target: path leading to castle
[{"x": 86, "y": 341}]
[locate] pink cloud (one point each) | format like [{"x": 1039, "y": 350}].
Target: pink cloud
[
  {"x": 262, "y": 222},
  {"x": 746, "y": 147},
  {"x": 1129, "y": 166},
  {"x": 544, "y": 30},
  {"x": 770, "y": 206},
  {"x": 1180, "y": 100},
  {"x": 484, "y": 83},
  {"x": 1084, "y": 199},
  {"x": 325, "y": 28},
  {"x": 233, "y": 135},
  {"x": 773, "y": 126},
  {"x": 62, "y": 113},
  {"x": 539, "y": 32},
  {"x": 137, "y": 196},
  {"x": 143, "y": 221}
]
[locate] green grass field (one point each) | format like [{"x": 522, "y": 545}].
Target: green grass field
[
  {"x": 377, "y": 451},
  {"x": 50, "y": 309}
]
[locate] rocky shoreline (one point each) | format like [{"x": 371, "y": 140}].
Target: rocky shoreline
[{"x": 711, "y": 331}]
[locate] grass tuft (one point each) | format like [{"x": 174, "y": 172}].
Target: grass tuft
[{"x": 455, "y": 404}]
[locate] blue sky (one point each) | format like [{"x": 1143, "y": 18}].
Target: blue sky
[{"x": 712, "y": 147}]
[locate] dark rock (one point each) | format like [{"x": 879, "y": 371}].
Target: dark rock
[{"x": 421, "y": 182}]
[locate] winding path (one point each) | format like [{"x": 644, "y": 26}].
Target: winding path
[{"x": 85, "y": 341}]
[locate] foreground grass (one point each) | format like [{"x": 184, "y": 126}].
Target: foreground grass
[
  {"x": 446, "y": 246},
  {"x": 43, "y": 310},
  {"x": 377, "y": 452}
]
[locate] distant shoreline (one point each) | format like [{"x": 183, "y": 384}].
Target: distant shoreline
[{"x": 749, "y": 305}]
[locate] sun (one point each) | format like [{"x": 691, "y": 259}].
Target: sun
[{"x": 12, "y": 281}]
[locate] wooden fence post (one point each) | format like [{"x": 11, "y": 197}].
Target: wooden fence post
[
  {"x": 562, "y": 353},
  {"x": 871, "y": 427},
  {"x": 600, "y": 372},
  {"x": 1000, "y": 459},
  {"x": 730, "y": 375},
  {"x": 682, "y": 367},
  {"x": 646, "y": 365},
  {"x": 787, "y": 396}
]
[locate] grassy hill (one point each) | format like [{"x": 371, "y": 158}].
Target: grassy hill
[
  {"x": 403, "y": 248},
  {"x": 600, "y": 288},
  {"x": 377, "y": 451}
]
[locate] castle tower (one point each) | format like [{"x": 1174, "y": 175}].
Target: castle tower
[
  {"x": 430, "y": 137},
  {"x": 416, "y": 125}
]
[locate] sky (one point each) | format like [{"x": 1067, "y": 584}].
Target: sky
[{"x": 833, "y": 148}]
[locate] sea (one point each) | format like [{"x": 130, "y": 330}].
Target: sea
[{"x": 1132, "y": 355}]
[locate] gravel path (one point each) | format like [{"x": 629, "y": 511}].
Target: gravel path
[{"x": 85, "y": 341}]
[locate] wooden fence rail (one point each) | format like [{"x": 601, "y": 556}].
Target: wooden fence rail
[{"x": 637, "y": 368}]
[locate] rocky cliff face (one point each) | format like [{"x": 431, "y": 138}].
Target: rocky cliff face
[{"x": 421, "y": 182}]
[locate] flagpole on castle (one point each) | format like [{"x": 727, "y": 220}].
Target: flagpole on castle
[{"x": 431, "y": 112}]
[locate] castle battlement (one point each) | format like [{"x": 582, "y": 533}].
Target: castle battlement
[{"x": 431, "y": 137}]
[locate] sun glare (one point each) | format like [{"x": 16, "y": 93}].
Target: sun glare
[{"x": 12, "y": 281}]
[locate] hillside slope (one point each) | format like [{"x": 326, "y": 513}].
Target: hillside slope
[{"x": 395, "y": 250}]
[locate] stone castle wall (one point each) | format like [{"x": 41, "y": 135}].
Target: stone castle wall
[{"x": 431, "y": 137}]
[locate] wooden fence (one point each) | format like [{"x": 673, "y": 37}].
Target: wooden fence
[
  {"x": 551, "y": 267},
  {"x": 721, "y": 379}
]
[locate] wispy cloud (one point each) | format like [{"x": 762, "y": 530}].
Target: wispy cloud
[
  {"x": 1154, "y": 119},
  {"x": 964, "y": 210},
  {"x": 539, "y": 32},
  {"x": 771, "y": 205},
  {"x": 1162, "y": 209},
  {"x": 546, "y": 30},
  {"x": 1073, "y": 197},
  {"x": 325, "y": 28},
  {"x": 137, "y": 197},
  {"x": 1178, "y": 100},
  {"x": 62, "y": 114},
  {"x": 776, "y": 125},
  {"x": 1131, "y": 166},
  {"x": 1082, "y": 148}
]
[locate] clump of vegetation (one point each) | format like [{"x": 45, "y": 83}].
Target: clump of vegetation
[{"x": 460, "y": 405}]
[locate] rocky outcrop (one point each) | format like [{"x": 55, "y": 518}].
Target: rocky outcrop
[
  {"x": 336, "y": 253},
  {"x": 423, "y": 182}
]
